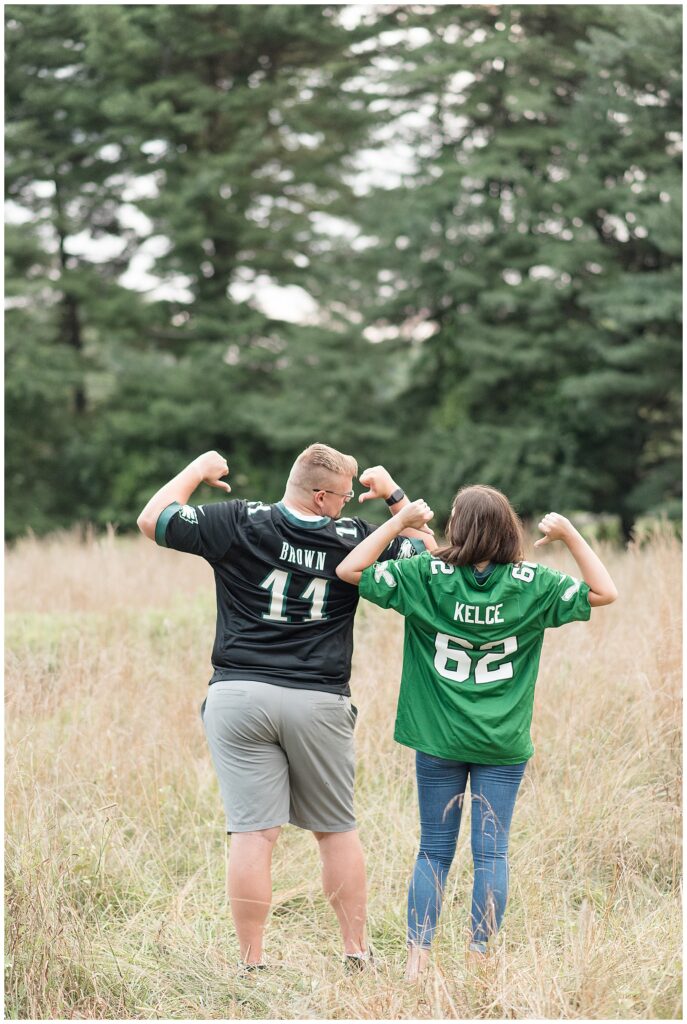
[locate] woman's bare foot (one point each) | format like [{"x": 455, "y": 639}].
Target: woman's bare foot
[
  {"x": 418, "y": 958},
  {"x": 476, "y": 961},
  {"x": 480, "y": 967}
]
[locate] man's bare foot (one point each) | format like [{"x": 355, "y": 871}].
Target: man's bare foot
[{"x": 418, "y": 958}]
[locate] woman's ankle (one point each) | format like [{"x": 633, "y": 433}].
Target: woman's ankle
[
  {"x": 479, "y": 946},
  {"x": 418, "y": 958}
]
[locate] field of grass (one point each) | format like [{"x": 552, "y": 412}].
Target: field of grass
[{"x": 115, "y": 845}]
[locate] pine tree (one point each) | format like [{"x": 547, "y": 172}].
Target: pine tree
[
  {"x": 501, "y": 246},
  {"x": 239, "y": 122},
  {"x": 63, "y": 177}
]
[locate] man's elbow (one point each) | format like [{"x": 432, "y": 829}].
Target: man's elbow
[
  {"x": 146, "y": 525},
  {"x": 428, "y": 539}
]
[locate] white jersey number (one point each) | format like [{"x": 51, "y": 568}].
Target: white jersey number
[
  {"x": 524, "y": 571},
  {"x": 277, "y": 583},
  {"x": 317, "y": 591},
  {"x": 485, "y": 669}
]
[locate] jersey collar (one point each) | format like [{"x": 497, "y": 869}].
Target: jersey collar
[
  {"x": 305, "y": 524},
  {"x": 494, "y": 575}
]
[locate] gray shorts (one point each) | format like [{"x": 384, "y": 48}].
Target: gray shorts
[{"x": 282, "y": 755}]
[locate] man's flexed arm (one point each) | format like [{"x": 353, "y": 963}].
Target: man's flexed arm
[
  {"x": 207, "y": 468},
  {"x": 382, "y": 485}
]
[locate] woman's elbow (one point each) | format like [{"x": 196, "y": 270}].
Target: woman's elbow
[
  {"x": 599, "y": 600},
  {"x": 351, "y": 576}
]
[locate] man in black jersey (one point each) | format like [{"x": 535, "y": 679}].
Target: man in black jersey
[{"x": 278, "y": 715}]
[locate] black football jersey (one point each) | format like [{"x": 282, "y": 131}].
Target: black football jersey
[{"x": 283, "y": 615}]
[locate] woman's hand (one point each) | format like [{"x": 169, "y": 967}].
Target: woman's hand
[
  {"x": 555, "y": 527},
  {"x": 212, "y": 466},
  {"x": 416, "y": 515},
  {"x": 602, "y": 589},
  {"x": 412, "y": 516}
]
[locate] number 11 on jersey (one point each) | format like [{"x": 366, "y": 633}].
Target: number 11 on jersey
[{"x": 277, "y": 582}]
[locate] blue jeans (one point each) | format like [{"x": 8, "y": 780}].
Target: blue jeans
[{"x": 441, "y": 788}]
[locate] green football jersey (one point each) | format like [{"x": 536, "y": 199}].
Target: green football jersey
[{"x": 471, "y": 651}]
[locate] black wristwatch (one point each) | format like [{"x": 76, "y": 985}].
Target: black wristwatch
[{"x": 397, "y": 496}]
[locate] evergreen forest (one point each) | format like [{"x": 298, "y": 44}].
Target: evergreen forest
[{"x": 442, "y": 238}]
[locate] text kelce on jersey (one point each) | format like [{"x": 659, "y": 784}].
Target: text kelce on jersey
[{"x": 488, "y": 615}]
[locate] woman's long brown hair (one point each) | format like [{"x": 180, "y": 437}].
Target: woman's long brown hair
[{"x": 483, "y": 528}]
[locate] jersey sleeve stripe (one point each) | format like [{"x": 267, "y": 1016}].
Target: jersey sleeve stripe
[{"x": 163, "y": 521}]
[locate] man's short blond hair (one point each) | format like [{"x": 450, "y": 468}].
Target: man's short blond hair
[{"x": 318, "y": 463}]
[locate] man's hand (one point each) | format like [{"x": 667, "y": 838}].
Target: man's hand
[
  {"x": 554, "y": 527},
  {"x": 382, "y": 485},
  {"x": 207, "y": 468},
  {"x": 212, "y": 466},
  {"x": 380, "y": 482},
  {"x": 416, "y": 515}
]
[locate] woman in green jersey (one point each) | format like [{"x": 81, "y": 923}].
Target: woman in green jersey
[{"x": 475, "y": 619}]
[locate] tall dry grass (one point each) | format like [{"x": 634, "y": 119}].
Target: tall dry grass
[{"x": 115, "y": 846}]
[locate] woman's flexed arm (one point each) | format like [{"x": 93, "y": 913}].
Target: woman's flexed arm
[
  {"x": 602, "y": 589},
  {"x": 415, "y": 515}
]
